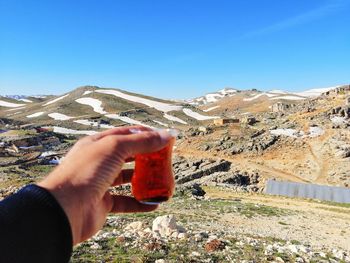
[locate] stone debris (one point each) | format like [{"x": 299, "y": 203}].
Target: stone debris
[
  {"x": 214, "y": 245},
  {"x": 166, "y": 226},
  {"x": 203, "y": 244}
]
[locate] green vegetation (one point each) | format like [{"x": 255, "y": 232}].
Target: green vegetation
[
  {"x": 41, "y": 170},
  {"x": 247, "y": 209},
  {"x": 346, "y": 205}
]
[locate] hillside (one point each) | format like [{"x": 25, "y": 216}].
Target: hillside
[
  {"x": 300, "y": 137},
  {"x": 94, "y": 107},
  {"x": 233, "y": 102}
]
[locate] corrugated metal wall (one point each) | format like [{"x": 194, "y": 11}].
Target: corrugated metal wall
[{"x": 321, "y": 192}]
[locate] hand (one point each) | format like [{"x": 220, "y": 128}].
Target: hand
[{"x": 81, "y": 182}]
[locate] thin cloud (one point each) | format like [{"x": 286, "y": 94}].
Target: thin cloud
[{"x": 304, "y": 18}]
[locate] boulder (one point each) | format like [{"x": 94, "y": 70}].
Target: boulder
[
  {"x": 166, "y": 226},
  {"x": 197, "y": 191},
  {"x": 135, "y": 226},
  {"x": 214, "y": 245}
]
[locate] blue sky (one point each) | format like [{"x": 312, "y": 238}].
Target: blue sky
[{"x": 173, "y": 48}]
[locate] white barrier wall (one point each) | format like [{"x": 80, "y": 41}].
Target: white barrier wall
[{"x": 321, "y": 192}]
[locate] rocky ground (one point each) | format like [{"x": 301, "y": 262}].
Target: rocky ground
[{"x": 225, "y": 226}]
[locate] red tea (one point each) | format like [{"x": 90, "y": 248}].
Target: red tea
[{"x": 153, "y": 181}]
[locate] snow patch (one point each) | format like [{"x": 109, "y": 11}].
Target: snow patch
[
  {"x": 70, "y": 131},
  {"x": 198, "y": 116},
  {"x": 173, "y": 118},
  {"x": 10, "y": 104},
  {"x": 227, "y": 91},
  {"x": 161, "y": 123},
  {"x": 258, "y": 96},
  {"x": 214, "y": 97},
  {"x": 59, "y": 116},
  {"x": 94, "y": 103},
  {"x": 211, "y": 108},
  {"x": 161, "y": 106},
  {"x": 21, "y": 108},
  {"x": 94, "y": 124},
  {"x": 46, "y": 154},
  {"x": 87, "y": 92},
  {"x": 37, "y": 114},
  {"x": 278, "y": 91},
  {"x": 287, "y": 98},
  {"x": 287, "y": 132},
  {"x": 55, "y": 100},
  {"x": 315, "y": 131},
  {"x": 126, "y": 119},
  {"x": 314, "y": 92},
  {"x": 26, "y": 100}
]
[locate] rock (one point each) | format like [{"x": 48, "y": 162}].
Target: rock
[
  {"x": 160, "y": 261},
  {"x": 339, "y": 254},
  {"x": 205, "y": 147},
  {"x": 175, "y": 235},
  {"x": 293, "y": 248},
  {"x": 188, "y": 175},
  {"x": 121, "y": 239},
  {"x": 166, "y": 226},
  {"x": 195, "y": 254},
  {"x": 181, "y": 236},
  {"x": 135, "y": 226},
  {"x": 95, "y": 246},
  {"x": 197, "y": 190},
  {"x": 214, "y": 245},
  {"x": 279, "y": 260},
  {"x": 154, "y": 246}
]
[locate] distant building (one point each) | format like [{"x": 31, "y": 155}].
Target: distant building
[{"x": 223, "y": 121}]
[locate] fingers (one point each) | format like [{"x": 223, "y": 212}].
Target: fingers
[
  {"x": 118, "y": 131},
  {"x": 124, "y": 177},
  {"x": 127, "y": 204},
  {"x": 145, "y": 142}
]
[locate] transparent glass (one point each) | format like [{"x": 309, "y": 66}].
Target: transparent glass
[{"x": 153, "y": 180}]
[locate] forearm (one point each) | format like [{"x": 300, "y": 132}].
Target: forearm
[{"x": 34, "y": 228}]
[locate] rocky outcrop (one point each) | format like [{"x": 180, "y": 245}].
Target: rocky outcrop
[
  {"x": 191, "y": 174},
  {"x": 341, "y": 111},
  {"x": 186, "y": 171}
]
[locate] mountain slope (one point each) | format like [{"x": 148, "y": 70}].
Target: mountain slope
[
  {"x": 236, "y": 102},
  {"x": 92, "y": 107}
]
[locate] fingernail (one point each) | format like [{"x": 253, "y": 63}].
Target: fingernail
[
  {"x": 135, "y": 131},
  {"x": 173, "y": 132},
  {"x": 165, "y": 136}
]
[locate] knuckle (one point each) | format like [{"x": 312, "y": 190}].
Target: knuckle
[
  {"x": 151, "y": 138},
  {"x": 112, "y": 142}
]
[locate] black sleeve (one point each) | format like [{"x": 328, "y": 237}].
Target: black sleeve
[{"x": 34, "y": 228}]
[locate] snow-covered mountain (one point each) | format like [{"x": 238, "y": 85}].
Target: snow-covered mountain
[
  {"x": 213, "y": 96},
  {"x": 252, "y": 95},
  {"x": 90, "y": 108}
]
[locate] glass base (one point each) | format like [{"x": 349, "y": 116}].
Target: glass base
[{"x": 155, "y": 200}]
